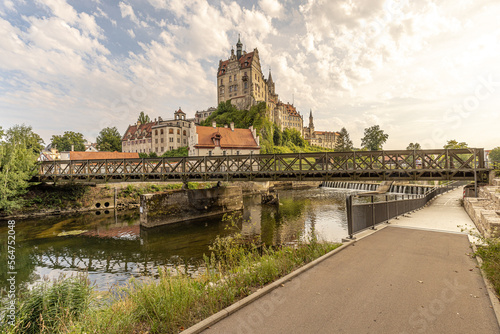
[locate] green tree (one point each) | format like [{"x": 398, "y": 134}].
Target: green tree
[
  {"x": 343, "y": 142},
  {"x": 413, "y": 146},
  {"x": 143, "y": 118},
  {"x": 453, "y": 144},
  {"x": 18, "y": 154},
  {"x": 109, "y": 139},
  {"x": 374, "y": 138},
  {"x": 494, "y": 154},
  {"x": 64, "y": 142}
]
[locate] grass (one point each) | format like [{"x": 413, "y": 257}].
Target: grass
[
  {"x": 489, "y": 252},
  {"x": 176, "y": 301}
]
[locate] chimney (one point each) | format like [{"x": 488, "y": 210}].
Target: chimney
[
  {"x": 232, "y": 126},
  {"x": 72, "y": 147},
  {"x": 225, "y": 126},
  {"x": 214, "y": 125}
]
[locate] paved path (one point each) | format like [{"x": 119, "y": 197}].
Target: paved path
[{"x": 397, "y": 280}]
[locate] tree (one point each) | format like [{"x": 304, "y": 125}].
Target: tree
[
  {"x": 109, "y": 139},
  {"x": 494, "y": 154},
  {"x": 374, "y": 138},
  {"x": 414, "y": 146},
  {"x": 18, "y": 155},
  {"x": 453, "y": 144},
  {"x": 343, "y": 142},
  {"x": 64, "y": 142},
  {"x": 143, "y": 118}
]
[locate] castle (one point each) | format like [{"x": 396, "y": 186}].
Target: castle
[{"x": 241, "y": 81}]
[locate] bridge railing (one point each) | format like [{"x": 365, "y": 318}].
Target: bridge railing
[
  {"x": 380, "y": 208},
  {"x": 269, "y": 165}
]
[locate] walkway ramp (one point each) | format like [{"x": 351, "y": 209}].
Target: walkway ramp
[{"x": 397, "y": 280}]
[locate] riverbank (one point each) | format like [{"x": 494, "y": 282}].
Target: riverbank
[
  {"x": 173, "y": 302},
  {"x": 69, "y": 199}
]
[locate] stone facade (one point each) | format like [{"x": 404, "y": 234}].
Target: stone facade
[
  {"x": 200, "y": 116},
  {"x": 241, "y": 81}
]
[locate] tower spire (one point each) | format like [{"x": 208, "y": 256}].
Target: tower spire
[{"x": 239, "y": 47}]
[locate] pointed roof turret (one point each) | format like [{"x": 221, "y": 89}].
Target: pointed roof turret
[
  {"x": 239, "y": 47},
  {"x": 270, "y": 77}
]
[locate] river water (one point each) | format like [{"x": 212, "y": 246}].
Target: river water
[{"x": 111, "y": 247}]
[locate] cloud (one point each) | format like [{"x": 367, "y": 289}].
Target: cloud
[
  {"x": 127, "y": 11},
  {"x": 272, "y": 8}
]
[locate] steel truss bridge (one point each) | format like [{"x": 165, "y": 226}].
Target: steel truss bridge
[{"x": 436, "y": 164}]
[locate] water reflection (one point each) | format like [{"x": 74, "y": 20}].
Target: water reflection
[{"x": 112, "y": 248}]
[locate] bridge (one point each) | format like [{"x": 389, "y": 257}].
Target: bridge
[{"x": 436, "y": 164}]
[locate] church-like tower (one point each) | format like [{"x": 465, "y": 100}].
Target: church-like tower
[{"x": 311, "y": 124}]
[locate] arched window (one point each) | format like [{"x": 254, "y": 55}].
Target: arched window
[
  {"x": 178, "y": 131},
  {"x": 184, "y": 132},
  {"x": 170, "y": 131}
]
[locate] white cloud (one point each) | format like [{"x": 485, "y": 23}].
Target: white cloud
[
  {"x": 272, "y": 8},
  {"x": 127, "y": 11}
]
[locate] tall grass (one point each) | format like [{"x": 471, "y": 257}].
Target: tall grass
[
  {"x": 174, "y": 301},
  {"x": 489, "y": 252},
  {"x": 51, "y": 307}
]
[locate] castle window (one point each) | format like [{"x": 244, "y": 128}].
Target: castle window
[
  {"x": 161, "y": 131},
  {"x": 245, "y": 85},
  {"x": 156, "y": 132},
  {"x": 178, "y": 131},
  {"x": 184, "y": 132},
  {"x": 235, "y": 77},
  {"x": 170, "y": 131}
]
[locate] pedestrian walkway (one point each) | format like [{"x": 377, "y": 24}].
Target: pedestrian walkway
[{"x": 409, "y": 277}]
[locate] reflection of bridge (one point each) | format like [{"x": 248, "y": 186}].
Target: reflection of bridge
[{"x": 439, "y": 164}]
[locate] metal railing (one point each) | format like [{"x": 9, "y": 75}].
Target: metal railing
[
  {"x": 380, "y": 209},
  {"x": 440, "y": 164}
]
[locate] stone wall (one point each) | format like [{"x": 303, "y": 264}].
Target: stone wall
[
  {"x": 181, "y": 205},
  {"x": 485, "y": 210}
]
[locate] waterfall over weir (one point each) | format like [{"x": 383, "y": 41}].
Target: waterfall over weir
[{"x": 398, "y": 189}]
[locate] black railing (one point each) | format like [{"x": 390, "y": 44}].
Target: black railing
[{"x": 381, "y": 208}]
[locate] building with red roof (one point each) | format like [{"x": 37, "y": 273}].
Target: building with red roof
[{"x": 228, "y": 140}]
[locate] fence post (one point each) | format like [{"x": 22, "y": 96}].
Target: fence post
[
  {"x": 373, "y": 212},
  {"x": 349, "y": 216},
  {"x": 387, "y": 207}
]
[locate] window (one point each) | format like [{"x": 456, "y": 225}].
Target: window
[
  {"x": 170, "y": 131},
  {"x": 171, "y": 139},
  {"x": 184, "y": 132},
  {"x": 156, "y": 132},
  {"x": 161, "y": 131},
  {"x": 178, "y": 131},
  {"x": 156, "y": 140},
  {"x": 156, "y": 149},
  {"x": 184, "y": 141},
  {"x": 209, "y": 153},
  {"x": 223, "y": 152},
  {"x": 229, "y": 78},
  {"x": 245, "y": 85},
  {"x": 235, "y": 77},
  {"x": 221, "y": 82},
  {"x": 162, "y": 140},
  {"x": 162, "y": 148},
  {"x": 221, "y": 91},
  {"x": 237, "y": 152}
]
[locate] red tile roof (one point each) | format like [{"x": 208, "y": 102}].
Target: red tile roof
[
  {"x": 141, "y": 132},
  {"x": 245, "y": 62},
  {"x": 239, "y": 138},
  {"x": 77, "y": 155}
]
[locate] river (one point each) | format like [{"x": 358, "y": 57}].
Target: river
[{"x": 111, "y": 247}]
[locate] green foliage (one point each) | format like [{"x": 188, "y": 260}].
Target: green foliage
[
  {"x": 414, "y": 146},
  {"x": 374, "y": 138},
  {"x": 143, "y": 118},
  {"x": 494, "y": 154},
  {"x": 180, "y": 152},
  {"x": 64, "y": 142},
  {"x": 52, "y": 307},
  {"x": 18, "y": 155},
  {"x": 489, "y": 252},
  {"x": 344, "y": 142},
  {"x": 109, "y": 139},
  {"x": 453, "y": 144}
]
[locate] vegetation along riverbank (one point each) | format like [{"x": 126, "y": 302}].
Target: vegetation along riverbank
[{"x": 174, "y": 301}]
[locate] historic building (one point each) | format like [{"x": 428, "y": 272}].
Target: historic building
[
  {"x": 200, "y": 116},
  {"x": 241, "y": 81},
  {"x": 213, "y": 140},
  {"x": 324, "y": 139},
  {"x": 158, "y": 136}
]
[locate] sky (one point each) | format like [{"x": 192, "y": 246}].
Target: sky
[{"x": 425, "y": 71}]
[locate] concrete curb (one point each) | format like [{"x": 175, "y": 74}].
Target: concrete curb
[{"x": 204, "y": 324}]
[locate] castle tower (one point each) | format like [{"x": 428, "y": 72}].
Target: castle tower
[{"x": 311, "y": 123}]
